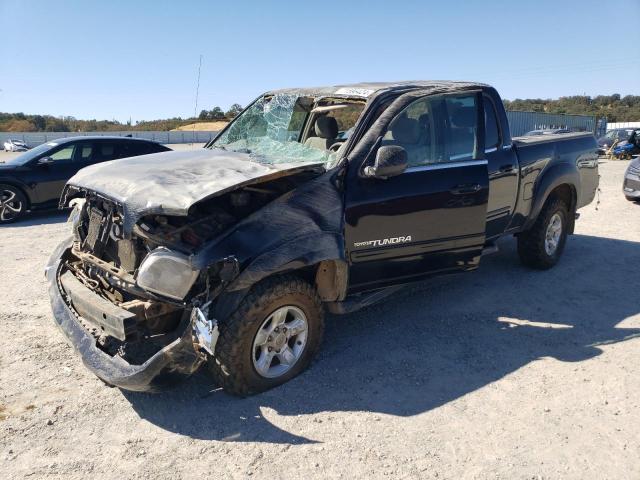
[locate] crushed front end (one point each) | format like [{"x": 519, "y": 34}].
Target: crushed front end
[
  {"x": 157, "y": 255},
  {"x": 127, "y": 304}
]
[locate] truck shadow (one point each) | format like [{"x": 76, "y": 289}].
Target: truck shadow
[{"x": 431, "y": 344}]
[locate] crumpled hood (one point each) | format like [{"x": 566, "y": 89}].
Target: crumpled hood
[{"x": 171, "y": 182}]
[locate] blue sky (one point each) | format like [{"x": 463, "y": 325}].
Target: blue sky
[{"x": 121, "y": 59}]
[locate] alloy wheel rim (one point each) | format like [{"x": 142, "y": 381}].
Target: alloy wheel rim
[
  {"x": 553, "y": 234},
  {"x": 10, "y": 205},
  {"x": 280, "y": 342}
]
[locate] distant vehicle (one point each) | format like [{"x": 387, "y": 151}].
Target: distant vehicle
[
  {"x": 550, "y": 131},
  {"x": 35, "y": 179},
  {"x": 12, "y": 145},
  {"x": 631, "y": 185},
  {"x": 617, "y": 135},
  {"x": 625, "y": 150}
]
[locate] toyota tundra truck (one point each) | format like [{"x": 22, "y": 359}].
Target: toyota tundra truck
[{"x": 312, "y": 200}]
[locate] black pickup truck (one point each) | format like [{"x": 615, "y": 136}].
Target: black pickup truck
[{"x": 311, "y": 200}]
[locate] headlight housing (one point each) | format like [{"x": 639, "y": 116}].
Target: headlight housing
[{"x": 166, "y": 273}]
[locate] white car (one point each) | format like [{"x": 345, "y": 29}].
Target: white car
[{"x": 15, "y": 146}]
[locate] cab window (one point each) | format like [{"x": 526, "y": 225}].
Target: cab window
[{"x": 436, "y": 129}]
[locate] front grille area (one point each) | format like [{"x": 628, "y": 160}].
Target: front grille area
[
  {"x": 99, "y": 235},
  {"x": 634, "y": 169},
  {"x": 96, "y": 217}
]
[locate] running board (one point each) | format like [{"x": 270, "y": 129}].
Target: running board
[{"x": 362, "y": 300}]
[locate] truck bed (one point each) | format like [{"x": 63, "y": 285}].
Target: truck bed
[
  {"x": 539, "y": 153},
  {"x": 553, "y": 137}
]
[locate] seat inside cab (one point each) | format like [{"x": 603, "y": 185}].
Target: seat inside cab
[{"x": 331, "y": 124}]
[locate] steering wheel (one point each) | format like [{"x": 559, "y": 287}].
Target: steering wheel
[{"x": 336, "y": 146}]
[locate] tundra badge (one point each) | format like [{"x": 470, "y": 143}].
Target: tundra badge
[{"x": 383, "y": 242}]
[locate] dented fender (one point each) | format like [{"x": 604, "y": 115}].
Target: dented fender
[{"x": 301, "y": 228}]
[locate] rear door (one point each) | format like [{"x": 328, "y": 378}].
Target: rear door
[{"x": 431, "y": 218}]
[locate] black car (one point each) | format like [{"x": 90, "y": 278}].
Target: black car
[
  {"x": 35, "y": 179},
  {"x": 631, "y": 186}
]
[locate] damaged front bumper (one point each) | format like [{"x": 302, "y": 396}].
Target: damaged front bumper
[{"x": 178, "y": 359}]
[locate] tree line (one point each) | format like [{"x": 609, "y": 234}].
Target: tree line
[
  {"x": 614, "y": 108},
  {"x": 21, "y": 122}
]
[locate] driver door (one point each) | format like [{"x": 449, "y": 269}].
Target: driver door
[
  {"x": 65, "y": 161},
  {"x": 431, "y": 218}
]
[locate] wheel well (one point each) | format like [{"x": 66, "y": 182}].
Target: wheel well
[
  {"x": 21, "y": 190},
  {"x": 567, "y": 194}
]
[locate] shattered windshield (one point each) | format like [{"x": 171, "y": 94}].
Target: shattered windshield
[{"x": 271, "y": 131}]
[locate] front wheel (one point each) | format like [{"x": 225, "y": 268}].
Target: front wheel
[
  {"x": 12, "y": 203},
  {"x": 542, "y": 245},
  {"x": 271, "y": 338}
]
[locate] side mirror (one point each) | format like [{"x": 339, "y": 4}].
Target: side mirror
[
  {"x": 45, "y": 161},
  {"x": 391, "y": 160}
]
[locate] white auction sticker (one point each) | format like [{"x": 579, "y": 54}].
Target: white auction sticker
[{"x": 357, "y": 92}]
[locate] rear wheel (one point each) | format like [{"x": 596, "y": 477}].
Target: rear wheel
[
  {"x": 542, "y": 245},
  {"x": 12, "y": 203},
  {"x": 271, "y": 338}
]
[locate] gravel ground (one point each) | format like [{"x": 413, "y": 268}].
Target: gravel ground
[{"x": 502, "y": 373}]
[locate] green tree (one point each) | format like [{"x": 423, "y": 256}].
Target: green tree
[
  {"x": 216, "y": 113},
  {"x": 234, "y": 111}
]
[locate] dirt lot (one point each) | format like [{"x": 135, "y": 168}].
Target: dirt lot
[{"x": 503, "y": 373}]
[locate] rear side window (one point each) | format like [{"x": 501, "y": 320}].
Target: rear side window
[
  {"x": 491, "y": 131},
  {"x": 132, "y": 149},
  {"x": 105, "y": 150},
  {"x": 436, "y": 129},
  {"x": 155, "y": 147}
]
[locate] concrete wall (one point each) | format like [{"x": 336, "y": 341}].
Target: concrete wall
[
  {"x": 523, "y": 122},
  {"x": 612, "y": 125},
  {"x": 33, "y": 139}
]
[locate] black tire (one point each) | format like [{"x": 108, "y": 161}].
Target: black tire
[
  {"x": 531, "y": 243},
  {"x": 233, "y": 364},
  {"x": 16, "y": 201}
]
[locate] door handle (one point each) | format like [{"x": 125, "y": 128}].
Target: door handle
[
  {"x": 506, "y": 168},
  {"x": 466, "y": 189}
]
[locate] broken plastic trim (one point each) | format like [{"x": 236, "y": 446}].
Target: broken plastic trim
[{"x": 205, "y": 331}]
